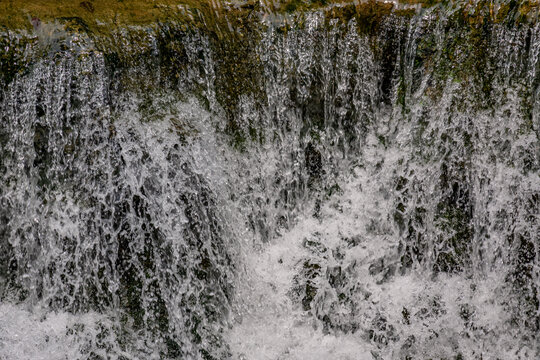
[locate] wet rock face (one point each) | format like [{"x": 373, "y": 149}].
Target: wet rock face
[
  {"x": 382, "y": 332},
  {"x": 313, "y": 160},
  {"x": 14, "y": 59},
  {"x": 306, "y": 282},
  {"x": 383, "y": 269}
]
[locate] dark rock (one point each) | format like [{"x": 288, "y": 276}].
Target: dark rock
[
  {"x": 382, "y": 332},
  {"x": 406, "y": 316},
  {"x": 88, "y": 6},
  {"x": 335, "y": 277},
  {"x": 313, "y": 160},
  {"x": 309, "y": 295},
  {"x": 338, "y": 253},
  {"x": 376, "y": 267},
  {"x": 382, "y": 269},
  {"x": 353, "y": 241},
  {"x": 314, "y": 245},
  {"x": 305, "y": 289}
]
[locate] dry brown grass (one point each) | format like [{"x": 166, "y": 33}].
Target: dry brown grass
[
  {"x": 14, "y": 13},
  {"x": 98, "y": 14}
]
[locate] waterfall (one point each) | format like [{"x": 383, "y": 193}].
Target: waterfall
[{"x": 352, "y": 181}]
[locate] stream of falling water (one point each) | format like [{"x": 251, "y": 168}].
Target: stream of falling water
[
  {"x": 388, "y": 214},
  {"x": 346, "y": 252}
]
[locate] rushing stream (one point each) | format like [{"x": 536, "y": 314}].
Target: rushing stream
[{"x": 311, "y": 190}]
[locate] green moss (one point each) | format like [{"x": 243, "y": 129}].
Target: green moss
[
  {"x": 515, "y": 12},
  {"x": 238, "y": 73},
  {"x": 368, "y": 15},
  {"x": 343, "y": 13},
  {"x": 14, "y": 58},
  {"x": 292, "y": 5},
  {"x": 172, "y": 54}
]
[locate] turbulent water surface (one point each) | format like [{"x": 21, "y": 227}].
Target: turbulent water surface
[{"x": 308, "y": 191}]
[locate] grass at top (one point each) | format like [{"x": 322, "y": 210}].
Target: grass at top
[
  {"x": 98, "y": 14},
  {"x": 14, "y": 13}
]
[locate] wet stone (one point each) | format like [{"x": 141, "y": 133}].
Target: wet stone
[
  {"x": 315, "y": 246},
  {"x": 354, "y": 240}
]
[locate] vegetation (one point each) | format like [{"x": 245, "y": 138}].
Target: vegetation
[
  {"x": 98, "y": 14},
  {"x": 14, "y": 13}
]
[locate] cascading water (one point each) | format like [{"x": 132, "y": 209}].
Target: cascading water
[{"x": 353, "y": 182}]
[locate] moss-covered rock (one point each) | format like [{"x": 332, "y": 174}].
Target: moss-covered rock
[{"x": 15, "y": 56}]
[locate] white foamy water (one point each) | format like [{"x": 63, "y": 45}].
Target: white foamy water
[{"x": 38, "y": 334}]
